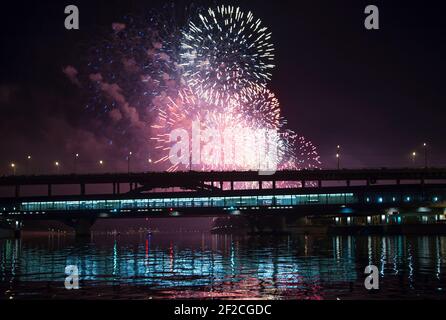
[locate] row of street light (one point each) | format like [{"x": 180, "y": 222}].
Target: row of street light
[
  {"x": 101, "y": 163},
  {"x": 58, "y": 164},
  {"x": 414, "y": 156}
]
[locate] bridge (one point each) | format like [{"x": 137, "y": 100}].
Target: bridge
[{"x": 332, "y": 193}]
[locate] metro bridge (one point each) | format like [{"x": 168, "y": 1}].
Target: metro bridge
[{"x": 333, "y": 193}]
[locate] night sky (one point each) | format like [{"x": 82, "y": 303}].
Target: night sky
[{"x": 379, "y": 94}]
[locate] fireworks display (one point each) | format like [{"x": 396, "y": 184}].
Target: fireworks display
[
  {"x": 224, "y": 51},
  {"x": 260, "y": 106},
  {"x": 152, "y": 80},
  {"x": 228, "y": 140}
]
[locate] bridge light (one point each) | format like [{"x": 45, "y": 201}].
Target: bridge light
[
  {"x": 407, "y": 199},
  {"x": 380, "y": 200},
  {"x": 383, "y": 217},
  {"x": 435, "y": 199},
  {"x": 369, "y": 219}
]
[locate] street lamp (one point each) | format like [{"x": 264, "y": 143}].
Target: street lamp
[
  {"x": 28, "y": 164},
  {"x": 13, "y": 166},
  {"x": 128, "y": 161},
  {"x": 57, "y": 164},
  {"x": 76, "y": 157},
  {"x": 425, "y": 154},
  {"x": 414, "y": 155},
  {"x": 338, "y": 156},
  {"x": 150, "y": 161},
  {"x": 101, "y": 163}
]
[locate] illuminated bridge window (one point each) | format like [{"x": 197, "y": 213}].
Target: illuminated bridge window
[{"x": 199, "y": 202}]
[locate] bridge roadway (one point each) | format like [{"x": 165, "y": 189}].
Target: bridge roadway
[{"x": 141, "y": 182}]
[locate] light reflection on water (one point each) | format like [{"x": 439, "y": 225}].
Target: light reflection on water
[{"x": 211, "y": 266}]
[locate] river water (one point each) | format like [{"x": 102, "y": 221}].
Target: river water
[{"x": 205, "y": 266}]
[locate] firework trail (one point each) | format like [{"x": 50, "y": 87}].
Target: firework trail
[{"x": 225, "y": 51}]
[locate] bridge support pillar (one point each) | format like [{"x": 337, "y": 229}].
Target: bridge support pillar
[
  {"x": 232, "y": 185},
  {"x": 116, "y": 188},
  {"x": 303, "y": 183},
  {"x": 83, "y": 189},
  {"x": 17, "y": 191},
  {"x": 348, "y": 183},
  {"x": 50, "y": 190},
  {"x": 319, "y": 184},
  {"x": 274, "y": 185},
  {"x": 81, "y": 226},
  {"x": 260, "y": 185}
]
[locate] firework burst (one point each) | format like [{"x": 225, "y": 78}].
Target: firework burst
[
  {"x": 225, "y": 51},
  {"x": 261, "y": 107}
]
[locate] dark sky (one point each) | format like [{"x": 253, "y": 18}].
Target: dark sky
[{"x": 377, "y": 93}]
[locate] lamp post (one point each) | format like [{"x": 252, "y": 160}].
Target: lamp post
[
  {"x": 338, "y": 156},
  {"x": 425, "y": 154},
  {"x": 128, "y": 161},
  {"x": 150, "y": 161},
  {"x": 13, "y": 167},
  {"x": 101, "y": 164},
  {"x": 76, "y": 157},
  {"x": 414, "y": 156},
  {"x": 57, "y": 164},
  {"x": 28, "y": 164}
]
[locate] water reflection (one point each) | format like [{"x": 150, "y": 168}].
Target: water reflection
[{"x": 210, "y": 266}]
